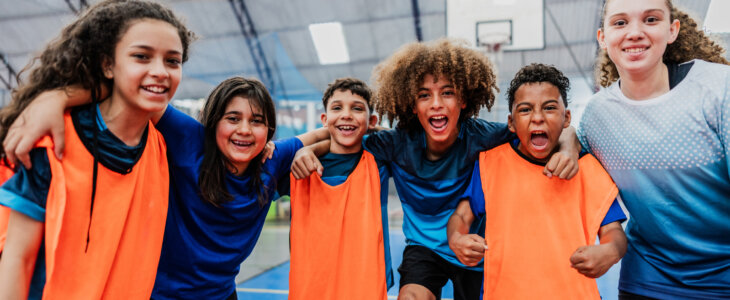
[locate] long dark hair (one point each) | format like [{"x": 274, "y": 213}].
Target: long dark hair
[
  {"x": 76, "y": 57},
  {"x": 215, "y": 165}
]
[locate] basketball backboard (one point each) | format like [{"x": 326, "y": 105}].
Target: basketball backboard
[{"x": 514, "y": 24}]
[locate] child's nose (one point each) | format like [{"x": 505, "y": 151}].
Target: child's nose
[{"x": 158, "y": 69}]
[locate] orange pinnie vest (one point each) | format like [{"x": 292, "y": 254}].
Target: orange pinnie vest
[
  {"x": 534, "y": 224},
  {"x": 128, "y": 222},
  {"x": 5, "y": 174},
  {"x": 337, "y": 248}
]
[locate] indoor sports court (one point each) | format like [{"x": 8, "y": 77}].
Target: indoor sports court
[{"x": 296, "y": 48}]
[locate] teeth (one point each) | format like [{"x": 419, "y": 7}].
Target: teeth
[
  {"x": 155, "y": 89},
  {"x": 635, "y": 50},
  {"x": 346, "y": 127},
  {"x": 438, "y": 117},
  {"x": 238, "y": 143}
]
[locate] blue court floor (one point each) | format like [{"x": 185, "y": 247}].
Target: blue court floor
[{"x": 273, "y": 282}]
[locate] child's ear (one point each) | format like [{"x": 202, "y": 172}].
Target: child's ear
[
  {"x": 372, "y": 122},
  {"x": 509, "y": 123},
  {"x": 673, "y": 31},
  {"x": 106, "y": 66},
  {"x": 601, "y": 38},
  {"x": 566, "y": 124},
  {"x": 323, "y": 117}
]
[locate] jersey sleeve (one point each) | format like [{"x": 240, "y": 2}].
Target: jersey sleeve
[
  {"x": 27, "y": 191},
  {"x": 381, "y": 144},
  {"x": 615, "y": 213},
  {"x": 183, "y": 135},
  {"x": 474, "y": 193},
  {"x": 284, "y": 155},
  {"x": 724, "y": 123},
  {"x": 486, "y": 135}
]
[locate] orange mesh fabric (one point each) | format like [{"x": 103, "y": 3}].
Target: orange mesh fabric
[{"x": 337, "y": 237}]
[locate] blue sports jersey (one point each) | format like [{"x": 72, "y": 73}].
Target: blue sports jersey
[
  {"x": 669, "y": 158},
  {"x": 475, "y": 194},
  {"x": 430, "y": 190},
  {"x": 337, "y": 167},
  {"x": 204, "y": 245}
]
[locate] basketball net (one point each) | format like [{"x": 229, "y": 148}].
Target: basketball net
[{"x": 492, "y": 44}]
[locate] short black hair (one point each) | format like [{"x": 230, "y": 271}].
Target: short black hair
[
  {"x": 354, "y": 85},
  {"x": 534, "y": 73}
]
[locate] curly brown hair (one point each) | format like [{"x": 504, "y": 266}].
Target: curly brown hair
[
  {"x": 398, "y": 78},
  {"x": 691, "y": 43},
  {"x": 76, "y": 56}
]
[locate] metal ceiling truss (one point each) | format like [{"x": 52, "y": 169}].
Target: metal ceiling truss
[
  {"x": 80, "y": 6},
  {"x": 252, "y": 41},
  {"x": 570, "y": 50},
  {"x": 417, "y": 19},
  {"x": 8, "y": 77}
]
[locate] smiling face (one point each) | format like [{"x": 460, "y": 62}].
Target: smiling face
[
  {"x": 241, "y": 134},
  {"x": 347, "y": 118},
  {"x": 636, "y": 33},
  {"x": 438, "y": 106},
  {"x": 538, "y": 117},
  {"x": 147, "y": 65}
]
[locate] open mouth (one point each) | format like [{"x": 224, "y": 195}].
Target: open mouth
[
  {"x": 635, "y": 50},
  {"x": 157, "y": 89},
  {"x": 242, "y": 143},
  {"x": 346, "y": 129},
  {"x": 438, "y": 123},
  {"x": 539, "y": 140}
]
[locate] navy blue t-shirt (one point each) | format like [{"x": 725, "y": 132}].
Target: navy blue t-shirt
[
  {"x": 204, "y": 245},
  {"x": 430, "y": 190}
]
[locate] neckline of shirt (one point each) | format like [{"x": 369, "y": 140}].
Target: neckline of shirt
[{"x": 616, "y": 89}]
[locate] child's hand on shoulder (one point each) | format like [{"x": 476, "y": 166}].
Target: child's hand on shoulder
[
  {"x": 268, "y": 151},
  {"x": 595, "y": 260},
  {"x": 305, "y": 162},
  {"x": 469, "y": 248}
]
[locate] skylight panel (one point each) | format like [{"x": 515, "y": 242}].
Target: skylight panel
[{"x": 329, "y": 41}]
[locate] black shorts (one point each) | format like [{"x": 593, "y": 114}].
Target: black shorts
[{"x": 426, "y": 268}]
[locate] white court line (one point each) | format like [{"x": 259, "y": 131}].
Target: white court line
[
  {"x": 263, "y": 291},
  {"x": 286, "y": 292}
]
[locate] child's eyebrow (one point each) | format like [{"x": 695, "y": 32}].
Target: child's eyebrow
[
  {"x": 446, "y": 86},
  {"x": 621, "y": 14},
  {"x": 149, "y": 48}
]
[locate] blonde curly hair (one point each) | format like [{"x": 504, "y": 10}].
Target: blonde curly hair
[
  {"x": 691, "y": 43},
  {"x": 398, "y": 78}
]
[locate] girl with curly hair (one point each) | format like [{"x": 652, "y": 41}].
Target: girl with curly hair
[
  {"x": 661, "y": 128},
  {"x": 435, "y": 91},
  {"x": 90, "y": 226},
  {"x": 220, "y": 186}
]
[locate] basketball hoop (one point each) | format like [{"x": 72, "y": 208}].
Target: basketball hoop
[{"x": 491, "y": 44}]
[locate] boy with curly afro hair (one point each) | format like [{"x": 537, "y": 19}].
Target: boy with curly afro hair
[
  {"x": 434, "y": 91},
  {"x": 537, "y": 207}
]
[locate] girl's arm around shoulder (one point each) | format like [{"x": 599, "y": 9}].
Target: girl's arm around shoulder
[
  {"x": 314, "y": 136},
  {"x": 19, "y": 255}
]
